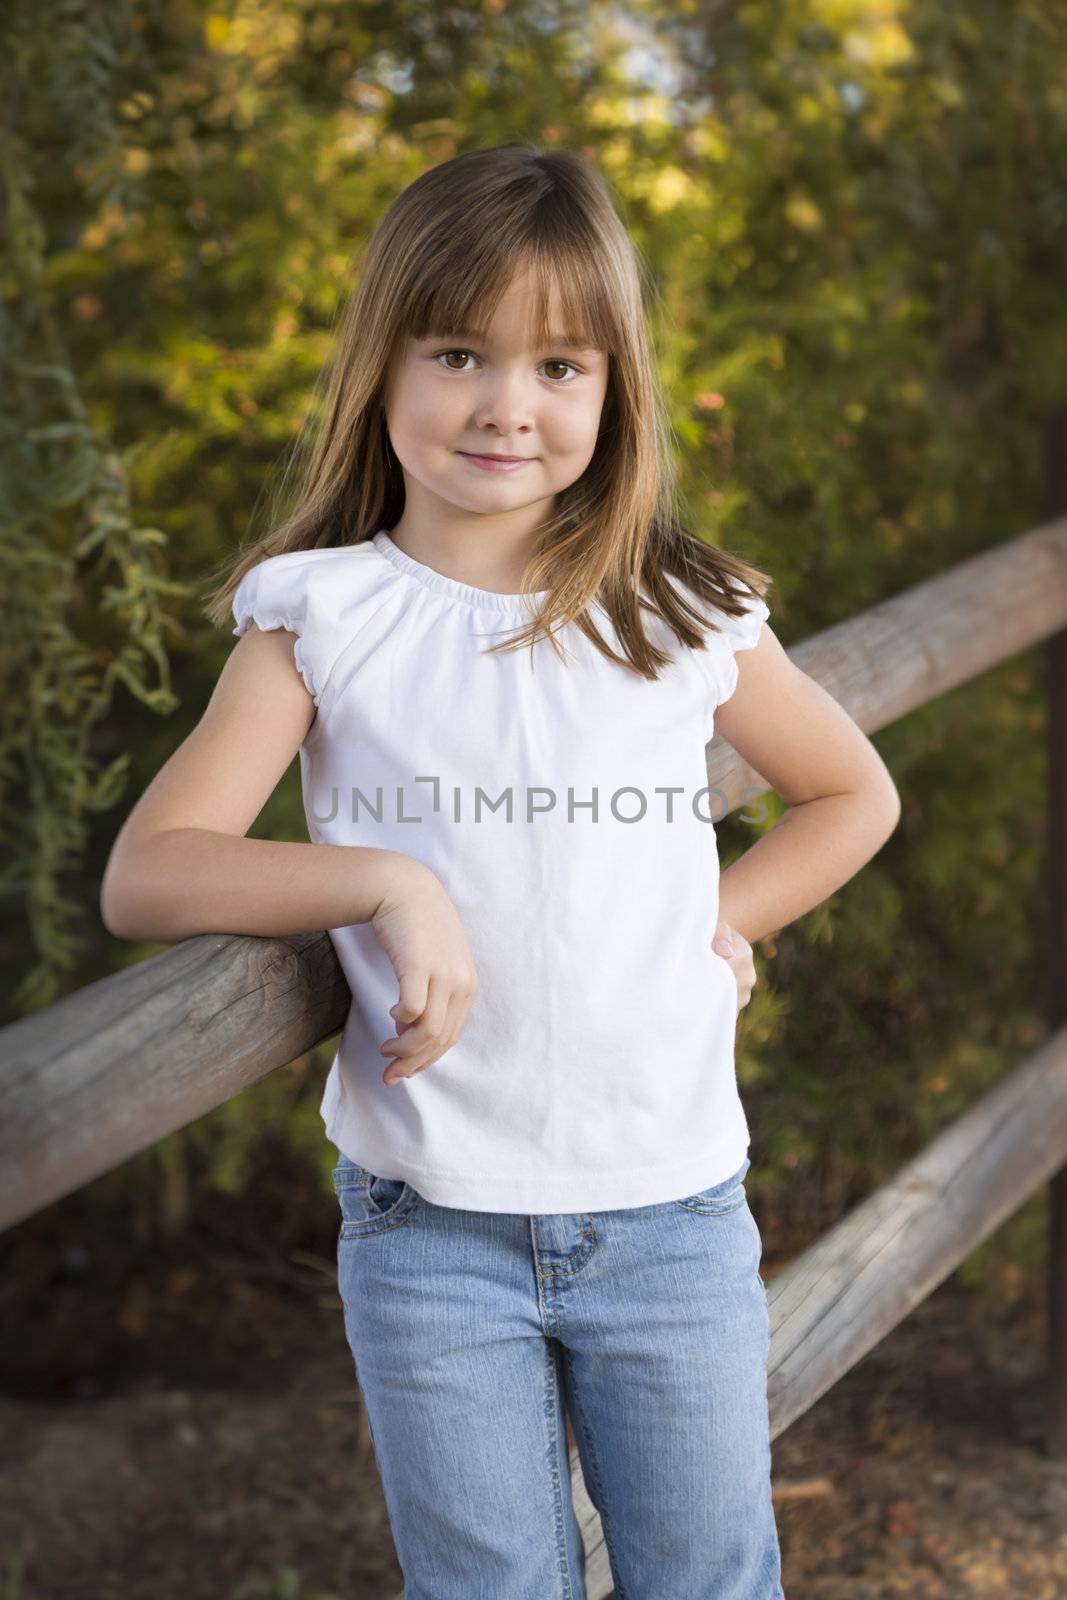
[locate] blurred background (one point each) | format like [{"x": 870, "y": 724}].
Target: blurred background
[{"x": 856, "y": 217}]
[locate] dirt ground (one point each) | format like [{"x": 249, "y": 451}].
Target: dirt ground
[{"x": 183, "y": 1424}]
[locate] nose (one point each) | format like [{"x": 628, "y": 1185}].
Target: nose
[{"x": 505, "y": 404}]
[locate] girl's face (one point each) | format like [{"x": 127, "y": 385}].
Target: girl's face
[{"x": 453, "y": 397}]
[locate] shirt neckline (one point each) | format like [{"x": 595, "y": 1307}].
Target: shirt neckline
[{"x": 452, "y": 588}]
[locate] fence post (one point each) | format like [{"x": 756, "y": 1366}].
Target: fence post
[{"x": 1056, "y": 710}]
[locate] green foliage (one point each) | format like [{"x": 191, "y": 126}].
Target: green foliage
[
  {"x": 856, "y": 216},
  {"x": 70, "y": 538}
]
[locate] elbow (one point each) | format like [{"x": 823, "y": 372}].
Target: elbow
[
  {"x": 130, "y": 920},
  {"x": 887, "y": 803},
  {"x": 880, "y": 797},
  {"x": 124, "y": 900},
  {"x": 893, "y": 795},
  {"x": 117, "y": 928},
  {"x": 114, "y": 909},
  {"x": 141, "y": 900}
]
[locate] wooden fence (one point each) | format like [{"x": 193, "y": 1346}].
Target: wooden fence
[{"x": 120, "y": 1064}]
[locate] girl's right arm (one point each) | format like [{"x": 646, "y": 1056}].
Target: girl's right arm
[{"x": 181, "y": 864}]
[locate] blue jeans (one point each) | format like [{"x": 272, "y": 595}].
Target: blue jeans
[{"x": 471, "y": 1331}]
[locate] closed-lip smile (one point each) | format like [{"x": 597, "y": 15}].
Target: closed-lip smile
[{"x": 487, "y": 462}]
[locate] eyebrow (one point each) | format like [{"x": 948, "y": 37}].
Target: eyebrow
[{"x": 556, "y": 342}]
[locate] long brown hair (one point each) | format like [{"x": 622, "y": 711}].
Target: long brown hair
[{"x": 442, "y": 257}]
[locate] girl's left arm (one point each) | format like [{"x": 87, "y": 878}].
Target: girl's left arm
[{"x": 843, "y": 804}]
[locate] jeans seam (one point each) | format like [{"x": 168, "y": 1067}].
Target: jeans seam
[
  {"x": 574, "y": 1405},
  {"x": 553, "y": 1402}
]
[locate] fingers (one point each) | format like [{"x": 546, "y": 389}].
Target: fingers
[
  {"x": 455, "y": 1017},
  {"x": 411, "y": 1049},
  {"x": 741, "y": 964},
  {"x": 414, "y": 993},
  {"x": 426, "y": 1039},
  {"x": 745, "y": 974}
]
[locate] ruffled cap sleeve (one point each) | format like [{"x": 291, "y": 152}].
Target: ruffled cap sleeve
[
  {"x": 287, "y": 591},
  {"x": 733, "y": 634}
]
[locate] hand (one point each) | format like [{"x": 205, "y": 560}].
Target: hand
[
  {"x": 419, "y": 928},
  {"x": 737, "y": 952}
]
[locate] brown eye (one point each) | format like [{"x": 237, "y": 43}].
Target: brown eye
[{"x": 568, "y": 366}]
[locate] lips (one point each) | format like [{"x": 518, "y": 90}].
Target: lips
[{"x": 491, "y": 463}]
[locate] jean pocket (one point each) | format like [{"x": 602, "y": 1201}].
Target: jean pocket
[
  {"x": 726, "y": 1195},
  {"x": 370, "y": 1204}
]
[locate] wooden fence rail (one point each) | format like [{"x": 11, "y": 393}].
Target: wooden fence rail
[{"x": 111, "y": 1069}]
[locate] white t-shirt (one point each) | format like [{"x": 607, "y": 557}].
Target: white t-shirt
[{"x": 596, "y": 1066}]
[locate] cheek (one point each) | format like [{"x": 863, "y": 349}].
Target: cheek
[
  {"x": 574, "y": 437},
  {"x": 419, "y": 417}
]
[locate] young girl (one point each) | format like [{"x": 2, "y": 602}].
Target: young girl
[{"x": 500, "y": 657}]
